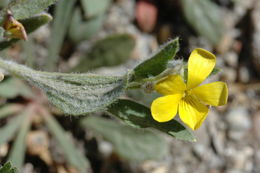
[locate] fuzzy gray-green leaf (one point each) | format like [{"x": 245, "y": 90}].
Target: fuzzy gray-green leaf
[
  {"x": 94, "y": 7},
  {"x": 75, "y": 94},
  {"x": 205, "y": 18},
  {"x": 138, "y": 115},
  {"x": 130, "y": 143},
  {"x": 80, "y": 30},
  {"x": 72, "y": 154},
  {"x": 110, "y": 51},
  {"x": 8, "y": 131},
  {"x": 23, "y": 9},
  {"x": 17, "y": 152},
  {"x": 158, "y": 62},
  {"x": 62, "y": 18}
]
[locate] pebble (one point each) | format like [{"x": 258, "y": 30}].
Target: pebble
[
  {"x": 231, "y": 59},
  {"x": 238, "y": 122}
]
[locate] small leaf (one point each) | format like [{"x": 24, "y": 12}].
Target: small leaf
[
  {"x": 110, "y": 51},
  {"x": 8, "y": 168},
  {"x": 8, "y": 131},
  {"x": 23, "y": 9},
  {"x": 9, "y": 109},
  {"x": 72, "y": 154},
  {"x": 13, "y": 87},
  {"x": 205, "y": 18},
  {"x": 75, "y": 94},
  {"x": 80, "y": 30},
  {"x": 138, "y": 115},
  {"x": 129, "y": 142},
  {"x": 17, "y": 152},
  {"x": 30, "y": 25},
  {"x": 158, "y": 62},
  {"x": 95, "y": 7},
  {"x": 62, "y": 19}
]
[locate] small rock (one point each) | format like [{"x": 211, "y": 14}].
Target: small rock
[
  {"x": 238, "y": 122},
  {"x": 231, "y": 59},
  {"x": 244, "y": 74}
]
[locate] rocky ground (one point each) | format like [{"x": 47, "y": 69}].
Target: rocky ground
[{"x": 229, "y": 140}]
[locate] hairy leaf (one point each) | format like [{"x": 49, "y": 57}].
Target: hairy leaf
[
  {"x": 138, "y": 115},
  {"x": 18, "y": 150},
  {"x": 94, "y": 7},
  {"x": 130, "y": 143},
  {"x": 9, "y": 109},
  {"x": 205, "y": 18},
  {"x": 75, "y": 94},
  {"x": 23, "y": 9},
  {"x": 8, "y": 168},
  {"x": 110, "y": 51},
  {"x": 158, "y": 62},
  {"x": 13, "y": 87},
  {"x": 72, "y": 154},
  {"x": 8, "y": 131},
  {"x": 80, "y": 30},
  {"x": 62, "y": 19}
]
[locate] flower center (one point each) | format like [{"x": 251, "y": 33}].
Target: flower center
[{"x": 187, "y": 93}]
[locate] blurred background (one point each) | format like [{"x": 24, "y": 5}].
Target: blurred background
[{"x": 112, "y": 36}]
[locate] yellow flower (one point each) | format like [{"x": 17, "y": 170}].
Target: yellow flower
[{"x": 190, "y": 99}]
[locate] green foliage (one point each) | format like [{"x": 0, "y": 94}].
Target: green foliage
[
  {"x": 9, "y": 109},
  {"x": 110, "y": 51},
  {"x": 140, "y": 116},
  {"x": 13, "y": 87},
  {"x": 72, "y": 154},
  {"x": 158, "y": 62},
  {"x": 205, "y": 18},
  {"x": 23, "y": 9},
  {"x": 8, "y": 168},
  {"x": 129, "y": 142},
  {"x": 8, "y": 131},
  {"x": 94, "y": 7},
  {"x": 61, "y": 22},
  {"x": 75, "y": 94},
  {"x": 18, "y": 150},
  {"x": 30, "y": 25},
  {"x": 80, "y": 30}
]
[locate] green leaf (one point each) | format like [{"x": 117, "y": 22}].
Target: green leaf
[
  {"x": 138, "y": 115},
  {"x": 72, "y": 154},
  {"x": 8, "y": 168},
  {"x": 8, "y": 131},
  {"x": 13, "y": 87},
  {"x": 129, "y": 142},
  {"x": 62, "y": 19},
  {"x": 110, "y": 51},
  {"x": 205, "y": 18},
  {"x": 30, "y": 25},
  {"x": 17, "y": 152},
  {"x": 80, "y": 30},
  {"x": 23, "y": 9},
  {"x": 95, "y": 7},
  {"x": 75, "y": 94},
  {"x": 158, "y": 62},
  {"x": 9, "y": 109}
]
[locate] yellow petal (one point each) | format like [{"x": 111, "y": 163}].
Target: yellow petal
[
  {"x": 173, "y": 84},
  {"x": 165, "y": 108},
  {"x": 192, "y": 112},
  {"x": 215, "y": 93},
  {"x": 200, "y": 64}
]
